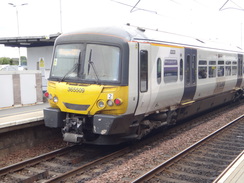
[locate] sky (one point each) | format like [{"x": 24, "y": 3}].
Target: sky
[{"x": 215, "y": 20}]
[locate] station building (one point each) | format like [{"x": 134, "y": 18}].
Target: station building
[{"x": 26, "y": 87}]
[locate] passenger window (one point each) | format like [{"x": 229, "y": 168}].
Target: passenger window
[
  {"x": 193, "y": 69},
  {"x": 170, "y": 71},
  {"x": 221, "y": 71},
  {"x": 181, "y": 69},
  {"x": 187, "y": 69},
  {"x": 243, "y": 68},
  {"x": 221, "y": 62},
  {"x": 212, "y": 62},
  {"x": 221, "y": 68},
  {"x": 202, "y": 72},
  {"x": 159, "y": 70},
  {"x": 143, "y": 70},
  {"x": 240, "y": 67},
  {"x": 212, "y": 69},
  {"x": 228, "y": 68},
  {"x": 202, "y": 69},
  {"x": 234, "y": 68},
  {"x": 202, "y": 62},
  {"x": 228, "y": 63}
]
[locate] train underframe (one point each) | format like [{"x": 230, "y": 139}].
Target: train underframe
[{"x": 109, "y": 129}]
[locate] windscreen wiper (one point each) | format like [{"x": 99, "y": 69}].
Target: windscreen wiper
[
  {"x": 70, "y": 71},
  {"x": 90, "y": 62},
  {"x": 76, "y": 66}
]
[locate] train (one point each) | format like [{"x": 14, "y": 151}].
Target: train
[{"x": 110, "y": 85}]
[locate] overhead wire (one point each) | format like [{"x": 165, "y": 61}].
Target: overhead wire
[
  {"x": 155, "y": 12},
  {"x": 223, "y": 6},
  {"x": 134, "y": 6}
]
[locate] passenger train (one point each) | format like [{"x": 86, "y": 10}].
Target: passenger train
[{"x": 109, "y": 85}]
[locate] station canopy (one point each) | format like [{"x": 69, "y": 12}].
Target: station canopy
[{"x": 29, "y": 41}]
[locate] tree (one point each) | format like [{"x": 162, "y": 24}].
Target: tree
[
  {"x": 13, "y": 61},
  {"x": 23, "y": 60},
  {"x": 5, "y": 61}
]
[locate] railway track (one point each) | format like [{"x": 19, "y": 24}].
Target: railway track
[
  {"x": 204, "y": 160},
  {"x": 58, "y": 165},
  {"x": 83, "y": 163}
]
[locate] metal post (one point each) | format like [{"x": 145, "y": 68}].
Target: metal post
[
  {"x": 17, "y": 16},
  {"x": 61, "y": 26}
]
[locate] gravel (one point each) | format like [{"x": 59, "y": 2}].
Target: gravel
[
  {"x": 24, "y": 154},
  {"x": 152, "y": 154}
]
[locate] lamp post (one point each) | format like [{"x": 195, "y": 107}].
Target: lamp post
[
  {"x": 60, "y": 9},
  {"x": 17, "y": 16}
]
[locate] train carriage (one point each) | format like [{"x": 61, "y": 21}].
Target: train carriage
[{"x": 109, "y": 85}]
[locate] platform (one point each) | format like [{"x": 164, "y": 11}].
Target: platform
[
  {"x": 21, "y": 117},
  {"x": 234, "y": 172}
]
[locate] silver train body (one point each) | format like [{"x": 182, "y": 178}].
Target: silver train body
[{"x": 168, "y": 77}]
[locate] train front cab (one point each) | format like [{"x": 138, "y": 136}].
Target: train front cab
[{"x": 87, "y": 107}]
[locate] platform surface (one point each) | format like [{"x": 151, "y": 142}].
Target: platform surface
[
  {"x": 21, "y": 115},
  {"x": 234, "y": 173}
]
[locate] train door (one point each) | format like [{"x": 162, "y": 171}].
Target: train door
[
  {"x": 240, "y": 70},
  {"x": 143, "y": 79},
  {"x": 190, "y": 75}
]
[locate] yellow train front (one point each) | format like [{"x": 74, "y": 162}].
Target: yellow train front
[{"x": 88, "y": 88}]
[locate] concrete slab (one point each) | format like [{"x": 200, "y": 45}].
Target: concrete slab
[
  {"x": 21, "y": 117},
  {"x": 234, "y": 172}
]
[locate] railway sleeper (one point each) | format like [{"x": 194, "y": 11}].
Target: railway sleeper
[{"x": 37, "y": 175}]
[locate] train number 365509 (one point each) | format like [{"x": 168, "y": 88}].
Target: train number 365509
[{"x": 75, "y": 89}]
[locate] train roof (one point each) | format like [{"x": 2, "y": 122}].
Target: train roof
[{"x": 133, "y": 33}]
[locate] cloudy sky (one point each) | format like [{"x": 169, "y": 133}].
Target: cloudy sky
[{"x": 217, "y": 20}]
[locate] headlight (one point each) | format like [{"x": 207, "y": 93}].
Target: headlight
[
  {"x": 101, "y": 104},
  {"x": 55, "y": 99},
  {"x": 110, "y": 103}
]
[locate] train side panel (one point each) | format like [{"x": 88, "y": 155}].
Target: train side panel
[
  {"x": 167, "y": 82},
  {"x": 216, "y": 73},
  {"x": 205, "y": 84},
  {"x": 133, "y": 78},
  {"x": 144, "y": 80}
]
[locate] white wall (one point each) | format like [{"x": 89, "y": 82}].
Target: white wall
[
  {"x": 20, "y": 88},
  {"x": 7, "y": 95},
  {"x": 34, "y": 54}
]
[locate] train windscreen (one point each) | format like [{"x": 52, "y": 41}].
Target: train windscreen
[{"x": 86, "y": 62}]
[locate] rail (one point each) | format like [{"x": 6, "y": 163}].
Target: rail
[{"x": 150, "y": 174}]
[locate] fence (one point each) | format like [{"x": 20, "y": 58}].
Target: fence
[{"x": 19, "y": 88}]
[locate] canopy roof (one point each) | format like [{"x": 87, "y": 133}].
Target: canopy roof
[{"x": 29, "y": 41}]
